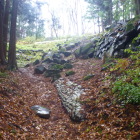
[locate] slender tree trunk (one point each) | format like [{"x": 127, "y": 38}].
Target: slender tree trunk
[
  {"x": 117, "y": 11},
  {"x": 98, "y": 20},
  {"x": 137, "y": 4},
  {"x": 2, "y": 58},
  {"x": 123, "y": 13},
  {"x": 5, "y": 27},
  {"x": 12, "y": 44},
  {"x": 110, "y": 12}
]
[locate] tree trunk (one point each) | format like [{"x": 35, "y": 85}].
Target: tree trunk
[
  {"x": 5, "y": 27},
  {"x": 12, "y": 44},
  {"x": 137, "y": 4},
  {"x": 2, "y": 58},
  {"x": 110, "y": 12}
]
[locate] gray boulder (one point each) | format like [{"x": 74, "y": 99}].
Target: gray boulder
[
  {"x": 70, "y": 46},
  {"x": 57, "y": 56},
  {"x": 68, "y": 66},
  {"x": 36, "y": 62},
  {"x": 39, "y": 69},
  {"x": 54, "y": 74},
  {"x": 41, "y": 111},
  {"x": 47, "y": 60},
  {"x": 66, "y": 54}
]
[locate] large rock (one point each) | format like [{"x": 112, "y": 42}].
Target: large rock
[
  {"x": 54, "y": 66},
  {"x": 70, "y": 46},
  {"x": 57, "y": 56},
  {"x": 49, "y": 54},
  {"x": 54, "y": 74},
  {"x": 47, "y": 60},
  {"x": 39, "y": 69},
  {"x": 41, "y": 111},
  {"x": 113, "y": 43},
  {"x": 36, "y": 62},
  {"x": 66, "y": 54},
  {"x": 85, "y": 51},
  {"x": 57, "y": 61},
  {"x": 68, "y": 66}
]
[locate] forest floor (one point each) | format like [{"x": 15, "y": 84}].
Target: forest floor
[{"x": 106, "y": 120}]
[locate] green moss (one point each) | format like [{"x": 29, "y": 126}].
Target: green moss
[
  {"x": 131, "y": 24},
  {"x": 136, "y": 39},
  {"x": 68, "y": 66},
  {"x": 127, "y": 86},
  {"x": 77, "y": 53},
  {"x": 57, "y": 67},
  {"x": 62, "y": 50},
  {"x": 88, "y": 77},
  {"x": 68, "y": 73},
  {"x": 3, "y": 74},
  {"x": 86, "y": 48}
]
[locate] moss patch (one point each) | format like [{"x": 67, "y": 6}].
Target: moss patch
[
  {"x": 68, "y": 73},
  {"x": 88, "y": 77}
]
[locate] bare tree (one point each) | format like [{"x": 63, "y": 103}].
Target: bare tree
[
  {"x": 2, "y": 57},
  {"x": 137, "y": 4},
  {"x": 72, "y": 11},
  {"x": 5, "y": 26},
  {"x": 12, "y": 44}
]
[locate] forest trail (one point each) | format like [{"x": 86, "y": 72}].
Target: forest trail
[
  {"x": 105, "y": 120},
  {"x": 32, "y": 90}
]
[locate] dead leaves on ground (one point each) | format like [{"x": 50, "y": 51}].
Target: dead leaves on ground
[{"x": 105, "y": 119}]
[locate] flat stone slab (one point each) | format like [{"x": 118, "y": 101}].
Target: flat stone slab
[{"x": 41, "y": 111}]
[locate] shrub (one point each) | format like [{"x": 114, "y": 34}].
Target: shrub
[
  {"x": 127, "y": 87},
  {"x": 3, "y": 74},
  {"x": 121, "y": 65}
]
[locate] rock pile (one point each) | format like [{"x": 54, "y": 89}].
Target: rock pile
[{"x": 113, "y": 43}]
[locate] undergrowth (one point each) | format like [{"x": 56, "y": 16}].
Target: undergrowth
[{"x": 126, "y": 87}]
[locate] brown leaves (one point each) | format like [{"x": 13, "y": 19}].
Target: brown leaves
[{"x": 105, "y": 120}]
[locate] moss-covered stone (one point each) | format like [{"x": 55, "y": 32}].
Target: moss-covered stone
[
  {"x": 36, "y": 62},
  {"x": 51, "y": 73},
  {"x": 88, "y": 77},
  {"x": 54, "y": 74},
  {"x": 131, "y": 24},
  {"x": 68, "y": 66},
  {"x": 77, "y": 53},
  {"x": 66, "y": 54},
  {"x": 56, "y": 67},
  {"x": 55, "y": 77},
  {"x": 86, "y": 48},
  {"x": 68, "y": 73}
]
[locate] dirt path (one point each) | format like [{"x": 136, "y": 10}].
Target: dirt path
[
  {"x": 36, "y": 90},
  {"x": 43, "y": 92},
  {"x": 105, "y": 120}
]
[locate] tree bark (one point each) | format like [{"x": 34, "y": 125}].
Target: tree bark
[
  {"x": 2, "y": 58},
  {"x": 12, "y": 44},
  {"x": 137, "y": 4},
  {"x": 5, "y": 27},
  {"x": 110, "y": 12}
]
